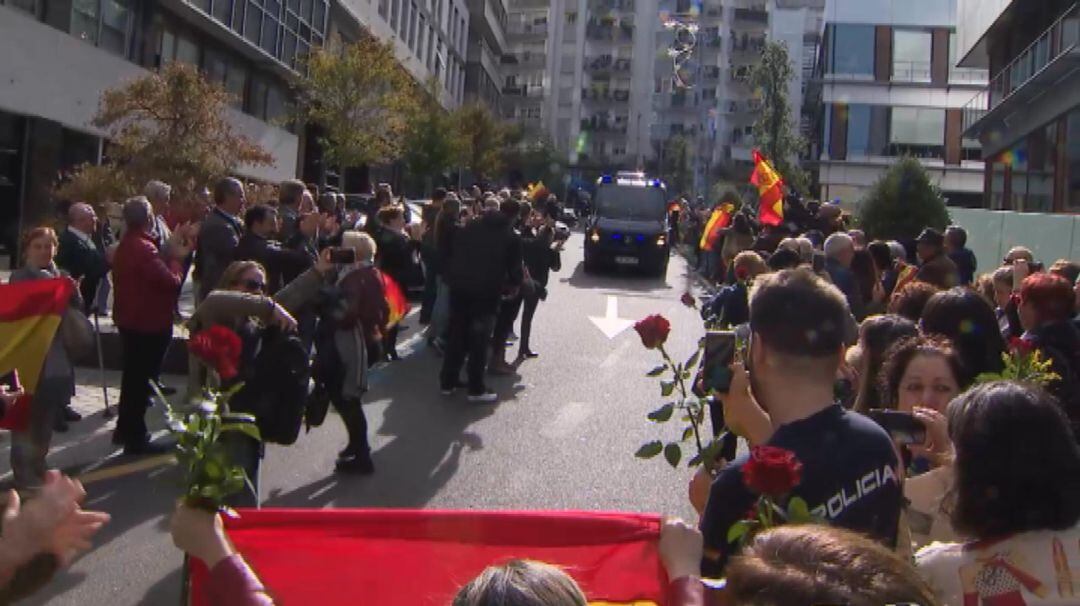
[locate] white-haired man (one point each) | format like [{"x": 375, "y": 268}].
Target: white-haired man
[
  {"x": 839, "y": 252},
  {"x": 159, "y": 194}
]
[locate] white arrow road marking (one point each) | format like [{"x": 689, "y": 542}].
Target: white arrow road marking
[{"x": 611, "y": 324}]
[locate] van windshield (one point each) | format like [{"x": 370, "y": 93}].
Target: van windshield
[{"x": 630, "y": 203}]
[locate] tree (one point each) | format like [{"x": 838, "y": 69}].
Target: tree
[
  {"x": 675, "y": 168},
  {"x": 902, "y": 203},
  {"x": 362, "y": 99},
  {"x": 774, "y": 132},
  {"x": 97, "y": 185},
  {"x": 723, "y": 191},
  {"x": 432, "y": 144},
  {"x": 169, "y": 125},
  {"x": 530, "y": 159},
  {"x": 483, "y": 139}
]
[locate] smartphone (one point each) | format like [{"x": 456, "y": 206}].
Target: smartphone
[
  {"x": 902, "y": 426},
  {"x": 720, "y": 348},
  {"x": 819, "y": 262},
  {"x": 343, "y": 256}
]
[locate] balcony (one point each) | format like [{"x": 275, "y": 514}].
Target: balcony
[
  {"x": 1054, "y": 55},
  {"x": 747, "y": 44},
  {"x": 757, "y": 15},
  {"x": 527, "y": 30},
  {"x": 513, "y": 91},
  {"x": 526, "y": 59},
  {"x": 910, "y": 71},
  {"x": 605, "y": 95},
  {"x": 607, "y": 64},
  {"x": 605, "y": 125},
  {"x": 608, "y": 30},
  {"x": 710, "y": 72},
  {"x": 611, "y": 5}
]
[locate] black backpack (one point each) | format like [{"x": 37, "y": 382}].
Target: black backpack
[{"x": 276, "y": 390}]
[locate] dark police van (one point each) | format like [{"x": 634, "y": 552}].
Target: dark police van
[{"x": 628, "y": 227}]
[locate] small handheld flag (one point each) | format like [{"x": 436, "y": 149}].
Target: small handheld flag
[
  {"x": 770, "y": 191},
  {"x": 395, "y": 300},
  {"x": 720, "y": 218}
]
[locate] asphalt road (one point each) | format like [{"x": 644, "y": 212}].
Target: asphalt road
[{"x": 561, "y": 437}]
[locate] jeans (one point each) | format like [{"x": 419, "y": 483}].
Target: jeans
[
  {"x": 30, "y": 446},
  {"x": 527, "y": 313},
  {"x": 247, "y": 453},
  {"x": 440, "y": 315},
  {"x": 143, "y": 354},
  {"x": 472, "y": 320}
]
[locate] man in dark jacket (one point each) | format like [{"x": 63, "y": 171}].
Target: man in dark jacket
[
  {"x": 839, "y": 252},
  {"x": 485, "y": 258},
  {"x": 79, "y": 253},
  {"x": 961, "y": 256},
  {"x": 260, "y": 223},
  {"x": 935, "y": 267},
  {"x": 219, "y": 234}
]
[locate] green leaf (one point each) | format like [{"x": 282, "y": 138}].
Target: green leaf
[
  {"x": 798, "y": 511},
  {"x": 649, "y": 450},
  {"x": 249, "y": 429},
  {"x": 662, "y": 414},
  {"x": 712, "y": 449},
  {"x": 213, "y": 469},
  {"x": 673, "y": 454},
  {"x": 687, "y": 433},
  {"x": 656, "y": 372},
  {"x": 739, "y": 529},
  {"x": 693, "y": 360},
  {"x": 667, "y": 388}
]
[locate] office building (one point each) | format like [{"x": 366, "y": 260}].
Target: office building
[
  {"x": 885, "y": 85},
  {"x": 1028, "y": 116}
]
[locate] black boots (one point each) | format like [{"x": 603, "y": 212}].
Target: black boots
[{"x": 356, "y": 458}]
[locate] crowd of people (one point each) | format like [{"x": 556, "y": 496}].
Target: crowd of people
[
  {"x": 301, "y": 272},
  {"x": 882, "y": 366}
]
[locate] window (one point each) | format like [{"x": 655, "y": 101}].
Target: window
[
  {"x": 84, "y": 20},
  {"x": 911, "y": 55},
  {"x": 962, "y": 74},
  {"x": 222, "y": 11},
  {"x": 383, "y": 6},
  {"x": 403, "y": 30},
  {"x": 395, "y": 9},
  {"x": 187, "y": 51},
  {"x": 253, "y": 22},
  {"x": 571, "y": 17},
  {"x": 866, "y": 130},
  {"x": 412, "y": 28},
  {"x": 851, "y": 50},
  {"x": 1072, "y": 160},
  {"x": 918, "y": 131}
]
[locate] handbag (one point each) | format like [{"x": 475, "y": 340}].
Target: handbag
[{"x": 77, "y": 333}]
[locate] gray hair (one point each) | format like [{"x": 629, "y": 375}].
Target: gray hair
[
  {"x": 837, "y": 244},
  {"x": 897, "y": 250},
  {"x": 362, "y": 243},
  {"x": 157, "y": 190},
  {"x": 137, "y": 212}
]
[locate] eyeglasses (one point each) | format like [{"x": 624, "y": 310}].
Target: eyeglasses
[{"x": 253, "y": 286}]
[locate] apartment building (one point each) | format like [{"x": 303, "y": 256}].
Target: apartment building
[
  {"x": 486, "y": 45},
  {"x": 1028, "y": 116},
  {"x": 525, "y": 66},
  {"x": 885, "y": 85}
]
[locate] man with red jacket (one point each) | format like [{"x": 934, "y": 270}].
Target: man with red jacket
[{"x": 147, "y": 284}]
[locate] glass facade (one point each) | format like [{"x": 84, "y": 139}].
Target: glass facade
[
  {"x": 286, "y": 30},
  {"x": 911, "y": 55},
  {"x": 867, "y": 130},
  {"x": 851, "y": 50},
  {"x": 103, "y": 23},
  {"x": 917, "y": 131},
  {"x": 1072, "y": 161}
]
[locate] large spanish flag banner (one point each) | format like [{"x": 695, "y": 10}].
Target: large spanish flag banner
[
  {"x": 30, "y": 313},
  {"x": 342, "y": 557},
  {"x": 770, "y": 191}
]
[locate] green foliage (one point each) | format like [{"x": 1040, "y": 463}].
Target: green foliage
[
  {"x": 774, "y": 131},
  {"x": 483, "y": 138},
  {"x": 362, "y": 98},
  {"x": 722, "y": 191},
  {"x": 169, "y": 125},
  {"x": 533, "y": 159},
  {"x": 902, "y": 203},
  {"x": 675, "y": 169},
  {"x": 209, "y": 474},
  {"x": 1031, "y": 368},
  {"x": 432, "y": 144}
]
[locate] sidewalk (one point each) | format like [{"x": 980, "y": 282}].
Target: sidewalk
[{"x": 88, "y": 444}]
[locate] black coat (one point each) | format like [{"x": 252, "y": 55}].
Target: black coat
[
  {"x": 539, "y": 258},
  {"x": 396, "y": 257},
  {"x": 82, "y": 260},
  {"x": 280, "y": 263},
  {"x": 485, "y": 257},
  {"x": 1060, "y": 342}
]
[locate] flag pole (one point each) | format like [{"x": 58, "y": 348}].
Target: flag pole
[{"x": 102, "y": 292}]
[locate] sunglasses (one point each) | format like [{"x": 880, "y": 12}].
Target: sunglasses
[{"x": 253, "y": 285}]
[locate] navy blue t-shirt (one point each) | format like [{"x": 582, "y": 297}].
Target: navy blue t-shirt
[{"x": 848, "y": 479}]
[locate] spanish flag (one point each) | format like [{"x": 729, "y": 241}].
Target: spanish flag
[
  {"x": 30, "y": 313},
  {"x": 395, "y": 300},
  {"x": 720, "y": 218},
  {"x": 398, "y": 557},
  {"x": 537, "y": 192},
  {"x": 770, "y": 190}
]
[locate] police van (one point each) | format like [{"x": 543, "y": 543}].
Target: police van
[{"x": 628, "y": 227}]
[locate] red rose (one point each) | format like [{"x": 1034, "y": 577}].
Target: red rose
[
  {"x": 218, "y": 347},
  {"x": 741, "y": 273},
  {"x": 688, "y": 300},
  {"x": 1021, "y": 346},
  {"x": 653, "y": 331},
  {"x": 771, "y": 471}
]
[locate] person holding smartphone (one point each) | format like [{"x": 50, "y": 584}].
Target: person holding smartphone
[{"x": 783, "y": 396}]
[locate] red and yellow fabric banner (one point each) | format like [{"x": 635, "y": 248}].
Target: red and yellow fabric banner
[
  {"x": 720, "y": 218},
  {"x": 340, "y": 557},
  {"x": 395, "y": 300},
  {"x": 537, "y": 192},
  {"x": 770, "y": 191},
  {"x": 30, "y": 313}
]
